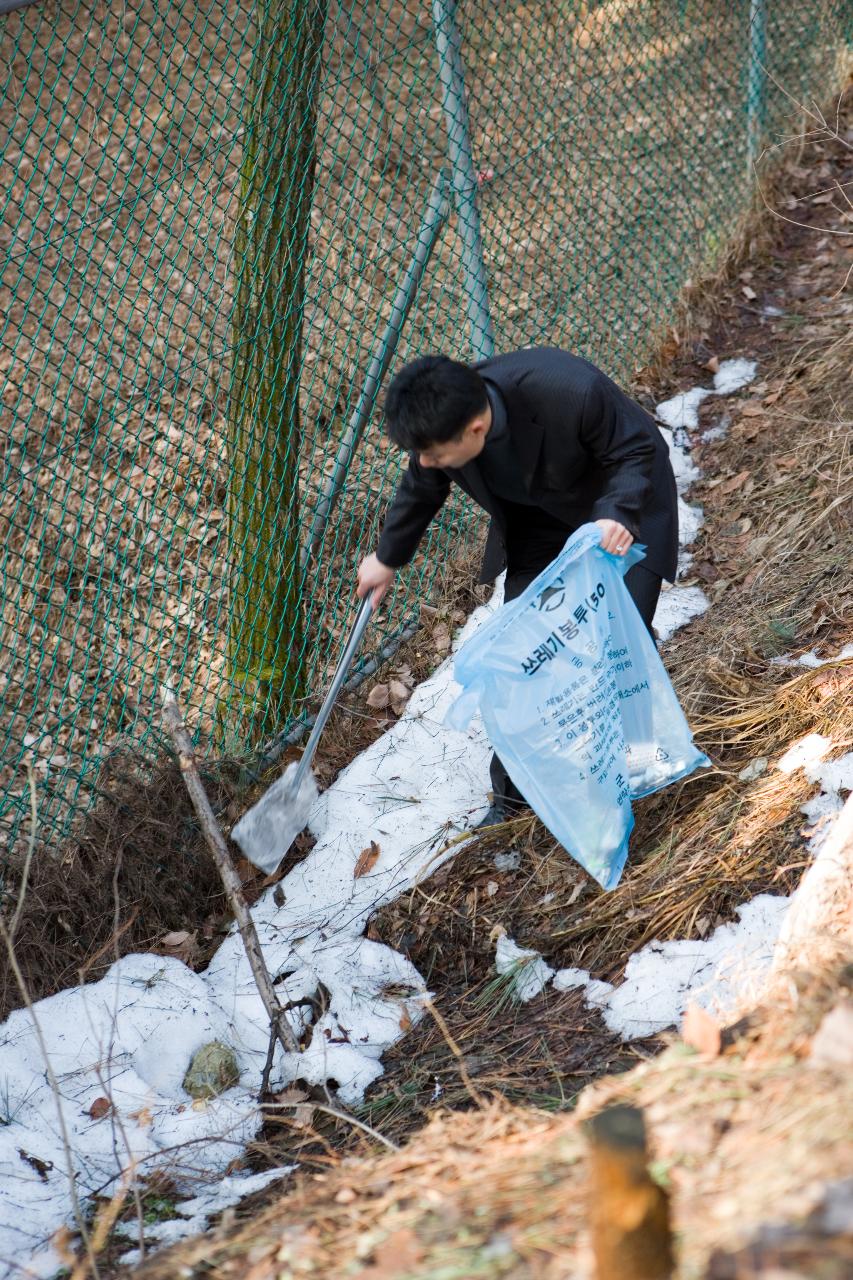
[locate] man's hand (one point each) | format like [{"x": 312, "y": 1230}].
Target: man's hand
[
  {"x": 615, "y": 538},
  {"x": 376, "y": 576}
]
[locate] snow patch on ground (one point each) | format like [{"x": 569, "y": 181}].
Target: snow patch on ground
[
  {"x": 811, "y": 659},
  {"x": 129, "y": 1038},
  {"x": 683, "y": 410},
  {"x": 680, "y": 415},
  {"x": 595, "y": 993},
  {"x": 661, "y": 980},
  {"x": 718, "y": 432},
  {"x": 528, "y": 971},
  {"x": 676, "y": 608},
  {"x": 733, "y": 375},
  {"x": 717, "y": 972}
]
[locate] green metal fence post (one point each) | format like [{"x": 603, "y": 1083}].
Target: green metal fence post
[
  {"x": 756, "y": 92},
  {"x": 430, "y": 229}
]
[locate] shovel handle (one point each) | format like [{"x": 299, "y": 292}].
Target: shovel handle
[{"x": 358, "y": 630}]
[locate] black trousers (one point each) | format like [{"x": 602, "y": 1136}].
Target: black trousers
[{"x": 644, "y": 589}]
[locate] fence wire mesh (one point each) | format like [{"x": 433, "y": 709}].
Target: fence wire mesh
[{"x": 208, "y": 215}]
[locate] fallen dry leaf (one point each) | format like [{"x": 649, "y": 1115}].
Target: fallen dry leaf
[
  {"x": 405, "y": 1021},
  {"x": 263, "y": 1270},
  {"x": 747, "y": 429},
  {"x": 441, "y": 639},
  {"x": 182, "y": 944},
  {"x": 399, "y": 696},
  {"x": 398, "y": 1255},
  {"x": 378, "y": 697},
  {"x": 303, "y": 1114},
  {"x": 291, "y": 1097},
  {"x": 143, "y": 1117},
  {"x": 175, "y": 939},
  {"x": 832, "y": 1045},
  {"x": 100, "y": 1108},
  {"x": 748, "y": 293},
  {"x": 701, "y": 1031},
  {"x": 734, "y": 482},
  {"x": 713, "y": 364},
  {"x": 367, "y": 860}
]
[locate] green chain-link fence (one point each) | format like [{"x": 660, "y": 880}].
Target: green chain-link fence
[{"x": 213, "y": 221}]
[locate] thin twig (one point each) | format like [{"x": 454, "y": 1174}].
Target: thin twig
[
  {"x": 338, "y": 1115},
  {"x": 230, "y": 880},
  {"x": 265, "y": 1077},
  {"x": 457, "y": 1053}
]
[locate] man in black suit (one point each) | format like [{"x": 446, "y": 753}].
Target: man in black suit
[{"x": 544, "y": 442}]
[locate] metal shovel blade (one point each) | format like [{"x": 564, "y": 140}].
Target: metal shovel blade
[{"x": 268, "y": 829}]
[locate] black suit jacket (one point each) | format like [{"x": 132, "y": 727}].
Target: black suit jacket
[{"x": 587, "y": 452}]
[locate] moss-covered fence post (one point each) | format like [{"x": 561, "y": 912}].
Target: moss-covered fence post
[{"x": 271, "y": 246}]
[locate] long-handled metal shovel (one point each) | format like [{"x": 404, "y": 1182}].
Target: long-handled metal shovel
[{"x": 267, "y": 830}]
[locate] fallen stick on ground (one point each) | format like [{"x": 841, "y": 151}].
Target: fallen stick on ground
[{"x": 230, "y": 880}]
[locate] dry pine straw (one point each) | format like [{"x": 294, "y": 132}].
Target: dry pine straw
[{"x": 501, "y": 1191}]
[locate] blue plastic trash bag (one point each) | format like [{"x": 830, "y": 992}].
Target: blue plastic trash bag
[{"x": 576, "y": 702}]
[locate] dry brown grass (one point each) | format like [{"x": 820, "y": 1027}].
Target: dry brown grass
[{"x": 138, "y": 870}]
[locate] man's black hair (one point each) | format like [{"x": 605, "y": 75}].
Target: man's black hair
[{"x": 431, "y": 400}]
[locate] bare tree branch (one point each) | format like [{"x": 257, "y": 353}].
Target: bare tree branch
[{"x": 230, "y": 879}]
